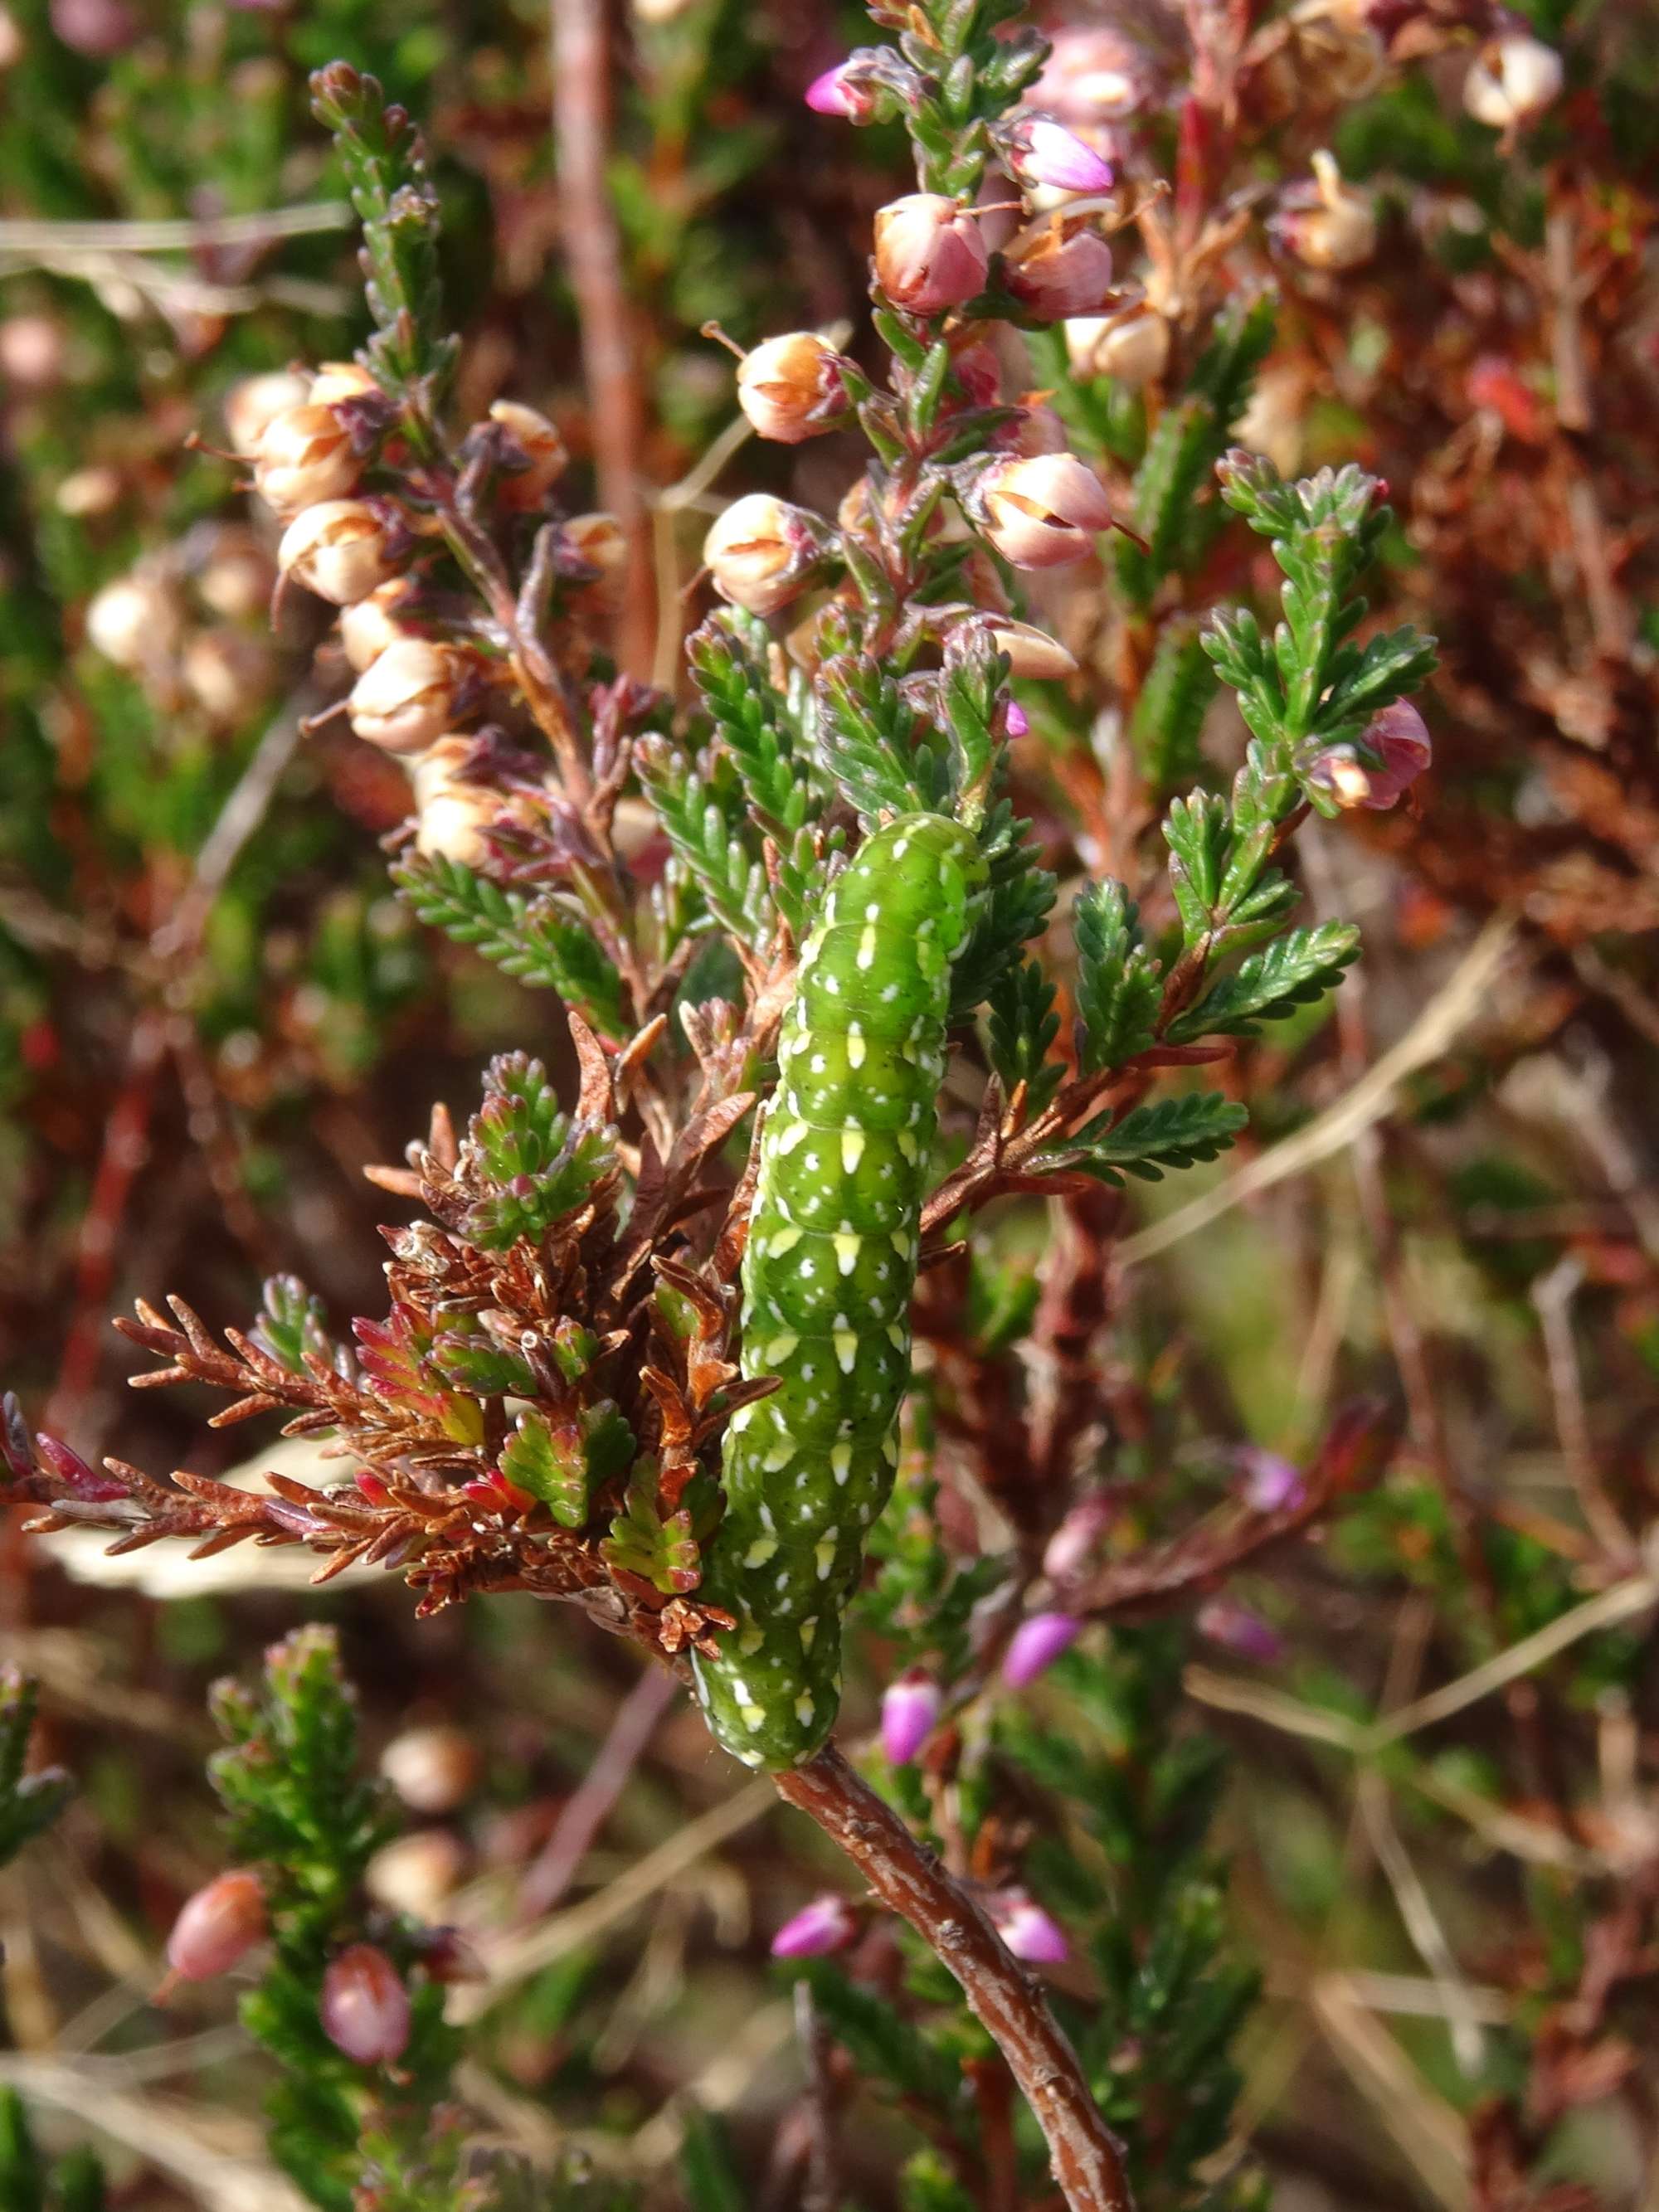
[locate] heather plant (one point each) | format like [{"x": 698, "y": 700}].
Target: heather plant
[{"x": 777, "y": 1320}]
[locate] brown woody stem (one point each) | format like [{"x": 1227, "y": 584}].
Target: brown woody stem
[{"x": 1087, "y": 2160}]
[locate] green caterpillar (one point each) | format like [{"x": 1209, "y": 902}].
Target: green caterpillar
[{"x": 828, "y": 1277}]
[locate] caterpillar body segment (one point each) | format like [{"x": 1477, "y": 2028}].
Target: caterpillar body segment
[{"x": 828, "y": 1277}]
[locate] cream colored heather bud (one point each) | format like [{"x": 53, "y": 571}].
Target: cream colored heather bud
[
  {"x": 305, "y": 455},
  {"x": 405, "y": 699},
  {"x": 341, "y": 380},
  {"x": 1031, "y": 652},
  {"x": 1327, "y": 224},
  {"x": 367, "y": 628},
  {"x": 13, "y": 45},
  {"x": 338, "y": 548},
  {"x": 134, "y": 622},
  {"x": 601, "y": 542},
  {"x": 1132, "y": 347},
  {"x": 228, "y": 673},
  {"x": 252, "y": 405},
  {"x": 790, "y": 387},
  {"x": 1041, "y": 513},
  {"x": 930, "y": 254},
  {"x": 762, "y": 552},
  {"x": 417, "y": 1874},
  {"x": 452, "y": 816},
  {"x": 1513, "y": 80},
  {"x": 236, "y": 578},
  {"x": 1059, "y": 267},
  {"x": 432, "y": 1768},
  {"x": 88, "y": 492},
  {"x": 535, "y": 443}
]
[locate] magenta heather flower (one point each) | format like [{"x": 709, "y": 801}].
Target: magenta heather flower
[
  {"x": 1400, "y": 738},
  {"x": 365, "y": 2006},
  {"x": 1042, "y": 510},
  {"x": 930, "y": 254},
  {"x": 827, "y": 1923},
  {"x": 217, "y": 1926},
  {"x": 1236, "y": 1629},
  {"x": 1271, "y": 1482},
  {"x": 1073, "y": 1544},
  {"x": 1030, "y": 1933},
  {"x": 1037, "y": 151},
  {"x": 909, "y": 1708},
  {"x": 1037, "y": 1643},
  {"x": 1015, "y": 720},
  {"x": 841, "y": 91}
]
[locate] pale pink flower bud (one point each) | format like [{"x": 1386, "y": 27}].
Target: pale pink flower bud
[
  {"x": 405, "y": 699},
  {"x": 86, "y": 492},
  {"x": 1132, "y": 347},
  {"x": 762, "y": 553},
  {"x": 1015, "y": 720},
  {"x": 602, "y": 542},
  {"x": 1399, "y": 735},
  {"x": 365, "y": 2006},
  {"x": 827, "y": 1923},
  {"x": 1043, "y": 512},
  {"x": 790, "y": 387},
  {"x": 339, "y": 549},
  {"x": 236, "y": 577},
  {"x": 369, "y": 626},
  {"x": 1059, "y": 268},
  {"x": 432, "y": 1769},
  {"x": 979, "y": 373},
  {"x": 254, "y": 403},
  {"x": 1035, "y": 1645},
  {"x": 34, "y": 351},
  {"x": 1030, "y": 1933},
  {"x": 342, "y": 380},
  {"x": 228, "y": 673},
  {"x": 909, "y": 1708},
  {"x": 1271, "y": 1483},
  {"x": 217, "y": 1926},
  {"x": 13, "y": 45},
  {"x": 1091, "y": 76},
  {"x": 1513, "y": 80},
  {"x": 1074, "y": 1542},
  {"x": 1031, "y": 652},
  {"x": 134, "y": 622},
  {"x": 97, "y": 28},
  {"x": 842, "y": 91},
  {"x": 305, "y": 456},
  {"x": 1037, "y": 151},
  {"x": 1326, "y": 222},
  {"x": 930, "y": 254},
  {"x": 417, "y": 1874},
  {"x": 1236, "y": 1629},
  {"x": 452, "y": 816},
  {"x": 539, "y": 454}
]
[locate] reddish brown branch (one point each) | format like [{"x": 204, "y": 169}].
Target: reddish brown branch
[
  {"x": 582, "y": 105},
  {"x": 1087, "y": 2161}
]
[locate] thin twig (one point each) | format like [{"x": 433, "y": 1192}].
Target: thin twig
[
  {"x": 187, "y": 235},
  {"x": 591, "y": 1804},
  {"x": 1087, "y": 2161},
  {"x": 582, "y": 107}
]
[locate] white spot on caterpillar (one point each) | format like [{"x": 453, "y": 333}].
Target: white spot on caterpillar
[
  {"x": 743, "y": 1417},
  {"x": 805, "y": 1709},
  {"x": 888, "y": 993},
  {"x": 824, "y": 1553},
  {"x": 847, "y": 1350},
  {"x": 855, "y": 1046},
  {"x": 840, "y": 1459},
  {"x": 866, "y": 959},
  {"x": 897, "y": 1337},
  {"x": 751, "y": 1641},
  {"x": 792, "y": 1136},
  {"x": 753, "y": 1718},
  {"x": 906, "y": 1144},
  {"x": 767, "y": 1521},
  {"x": 852, "y": 1149},
  {"x": 779, "y": 1349},
  {"x": 750, "y": 1758},
  {"x": 807, "y": 1269},
  {"x": 889, "y": 1449},
  {"x": 901, "y": 1243},
  {"x": 846, "y": 1252},
  {"x": 809, "y": 1631},
  {"x": 817, "y": 1063},
  {"x": 777, "y": 1459},
  {"x": 832, "y": 986},
  {"x": 762, "y": 1549},
  {"x": 781, "y": 1241},
  {"x": 902, "y": 845},
  {"x": 808, "y": 1370}
]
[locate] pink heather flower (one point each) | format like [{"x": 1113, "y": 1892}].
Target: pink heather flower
[
  {"x": 1030, "y": 1933},
  {"x": 1040, "y": 151},
  {"x": 1015, "y": 720},
  {"x": 1073, "y": 1544},
  {"x": 1091, "y": 76},
  {"x": 217, "y": 1926},
  {"x": 1042, "y": 510},
  {"x": 827, "y": 1923},
  {"x": 790, "y": 387},
  {"x": 1059, "y": 269},
  {"x": 1271, "y": 1482},
  {"x": 839, "y": 91},
  {"x": 979, "y": 374},
  {"x": 1236, "y": 1629},
  {"x": 930, "y": 252},
  {"x": 365, "y": 2006},
  {"x": 909, "y": 1709},
  {"x": 1035, "y": 1645},
  {"x": 1400, "y": 738}
]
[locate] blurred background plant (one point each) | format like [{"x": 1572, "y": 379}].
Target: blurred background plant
[{"x": 1408, "y": 1769}]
